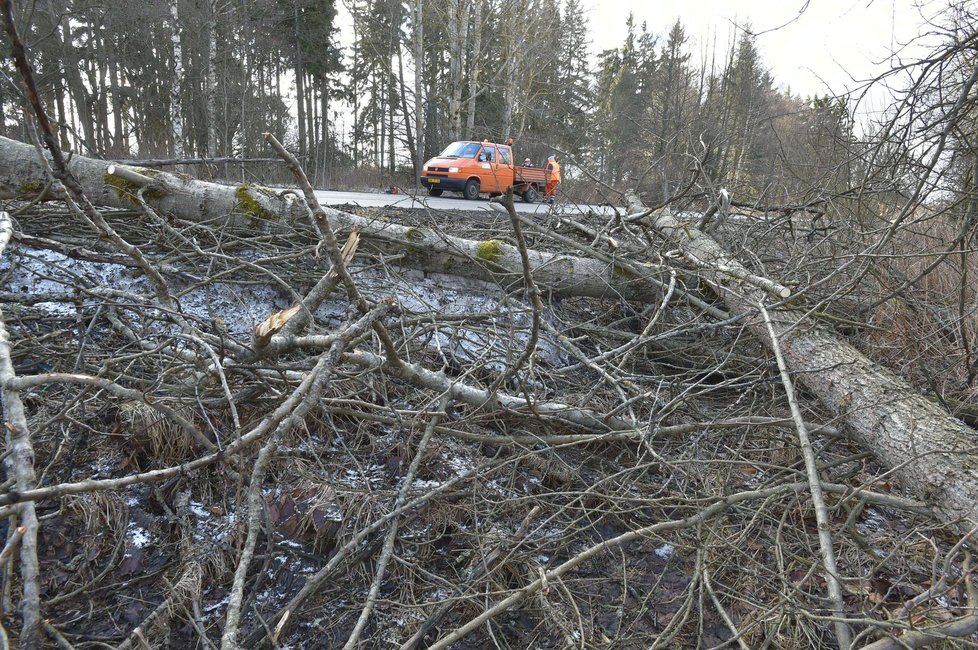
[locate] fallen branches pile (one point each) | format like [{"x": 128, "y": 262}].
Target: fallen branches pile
[
  {"x": 225, "y": 427},
  {"x": 262, "y": 466}
]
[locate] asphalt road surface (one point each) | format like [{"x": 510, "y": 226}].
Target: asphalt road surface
[{"x": 446, "y": 202}]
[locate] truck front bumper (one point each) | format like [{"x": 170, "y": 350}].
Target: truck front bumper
[{"x": 442, "y": 183}]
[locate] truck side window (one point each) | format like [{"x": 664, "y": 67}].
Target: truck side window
[
  {"x": 489, "y": 153},
  {"x": 505, "y": 156}
]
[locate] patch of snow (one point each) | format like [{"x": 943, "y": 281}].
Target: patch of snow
[
  {"x": 665, "y": 551},
  {"x": 211, "y": 527},
  {"x": 493, "y": 344},
  {"x": 873, "y": 522},
  {"x": 418, "y": 483},
  {"x": 221, "y": 603},
  {"x": 139, "y": 537}
]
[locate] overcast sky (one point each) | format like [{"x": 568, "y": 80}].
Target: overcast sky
[{"x": 825, "y": 46}]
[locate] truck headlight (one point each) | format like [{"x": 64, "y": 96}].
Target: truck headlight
[{"x": 453, "y": 170}]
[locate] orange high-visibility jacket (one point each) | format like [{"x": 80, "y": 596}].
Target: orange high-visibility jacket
[{"x": 554, "y": 169}]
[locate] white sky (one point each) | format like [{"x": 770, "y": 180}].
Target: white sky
[{"x": 827, "y": 46}]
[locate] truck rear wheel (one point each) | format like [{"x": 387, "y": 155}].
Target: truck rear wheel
[
  {"x": 471, "y": 191},
  {"x": 530, "y": 195},
  {"x": 435, "y": 191}
]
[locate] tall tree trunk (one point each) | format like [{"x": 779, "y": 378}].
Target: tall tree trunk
[
  {"x": 475, "y": 68},
  {"x": 102, "y": 91},
  {"x": 59, "y": 103},
  {"x": 380, "y": 124},
  {"x": 456, "y": 51},
  {"x": 327, "y": 150},
  {"x": 119, "y": 140},
  {"x": 419, "y": 111},
  {"x": 211, "y": 40},
  {"x": 176, "y": 89},
  {"x": 509, "y": 66},
  {"x": 402, "y": 88},
  {"x": 76, "y": 87},
  {"x": 300, "y": 89},
  {"x": 310, "y": 121}
]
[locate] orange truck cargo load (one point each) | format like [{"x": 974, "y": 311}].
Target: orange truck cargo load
[{"x": 474, "y": 168}]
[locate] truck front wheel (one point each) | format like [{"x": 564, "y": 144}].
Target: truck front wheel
[
  {"x": 471, "y": 191},
  {"x": 530, "y": 195}
]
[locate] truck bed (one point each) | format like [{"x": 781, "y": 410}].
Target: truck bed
[{"x": 536, "y": 175}]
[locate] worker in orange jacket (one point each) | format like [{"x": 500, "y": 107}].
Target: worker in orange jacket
[{"x": 553, "y": 177}]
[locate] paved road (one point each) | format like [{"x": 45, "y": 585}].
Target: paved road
[{"x": 448, "y": 202}]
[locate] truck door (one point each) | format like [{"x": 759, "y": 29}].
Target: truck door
[
  {"x": 505, "y": 173},
  {"x": 488, "y": 169}
]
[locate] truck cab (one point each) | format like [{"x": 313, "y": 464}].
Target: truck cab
[{"x": 474, "y": 168}]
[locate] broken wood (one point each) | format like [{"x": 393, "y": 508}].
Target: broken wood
[
  {"x": 929, "y": 449},
  {"x": 261, "y": 209}
]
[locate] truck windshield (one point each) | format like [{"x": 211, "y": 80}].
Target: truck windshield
[{"x": 460, "y": 150}]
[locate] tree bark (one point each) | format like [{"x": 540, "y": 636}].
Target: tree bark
[
  {"x": 418, "y": 88},
  {"x": 263, "y": 210},
  {"x": 176, "y": 90},
  {"x": 931, "y": 451},
  {"x": 212, "y": 79},
  {"x": 457, "y": 37},
  {"x": 475, "y": 67}
]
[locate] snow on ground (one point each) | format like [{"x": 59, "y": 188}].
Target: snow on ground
[{"x": 40, "y": 273}]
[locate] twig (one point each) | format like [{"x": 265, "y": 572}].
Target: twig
[
  {"x": 57, "y": 636},
  {"x": 320, "y": 375},
  {"x": 12, "y": 543},
  {"x": 958, "y": 628},
  {"x": 387, "y": 551},
  {"x": 737, "y": 634},
  {"x": 478, "y": 567},
  {"x": 822, "y": 517},
  {"x": 333, "y": 248},
  {"x": 717, "y": 507},
  {"x": 287, "y": 614},
  {"x": 531, "y": 289}
]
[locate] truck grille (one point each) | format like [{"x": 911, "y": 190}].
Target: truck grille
[{"x": 438, "y": 169}]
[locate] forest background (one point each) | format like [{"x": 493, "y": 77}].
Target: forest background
[{"x": 206, "y": 78}]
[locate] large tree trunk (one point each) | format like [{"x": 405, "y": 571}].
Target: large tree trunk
[
  {"x": 264, "y": 210},
  {"x": 475, "y": 67},
  {"x": 457, "y": 37},
  {"x": 176, "y": 90},
  {"x": 212, "y": 80},
  {"x": 300, "y": 90},
  {"x": 931, "y": 451},
  {"x": 419, "y": 125}
]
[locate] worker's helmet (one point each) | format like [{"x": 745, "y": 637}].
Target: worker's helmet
[
  {"x": 552, "y": 158},
  {"x": 526, "y": 160}
]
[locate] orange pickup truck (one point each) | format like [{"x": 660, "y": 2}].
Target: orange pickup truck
[{"x": 474, "y": 168}]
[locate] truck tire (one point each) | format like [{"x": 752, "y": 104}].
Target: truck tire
[
  {"x": 435, "y": 191},
  {"x": 471, "y": 191},
  {"x": 530, "y": 195}
]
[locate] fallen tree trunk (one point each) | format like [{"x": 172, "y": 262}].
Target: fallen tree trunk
[
  {"x": 930, "y": 451},
  {"x": 22, "y": 175}
]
